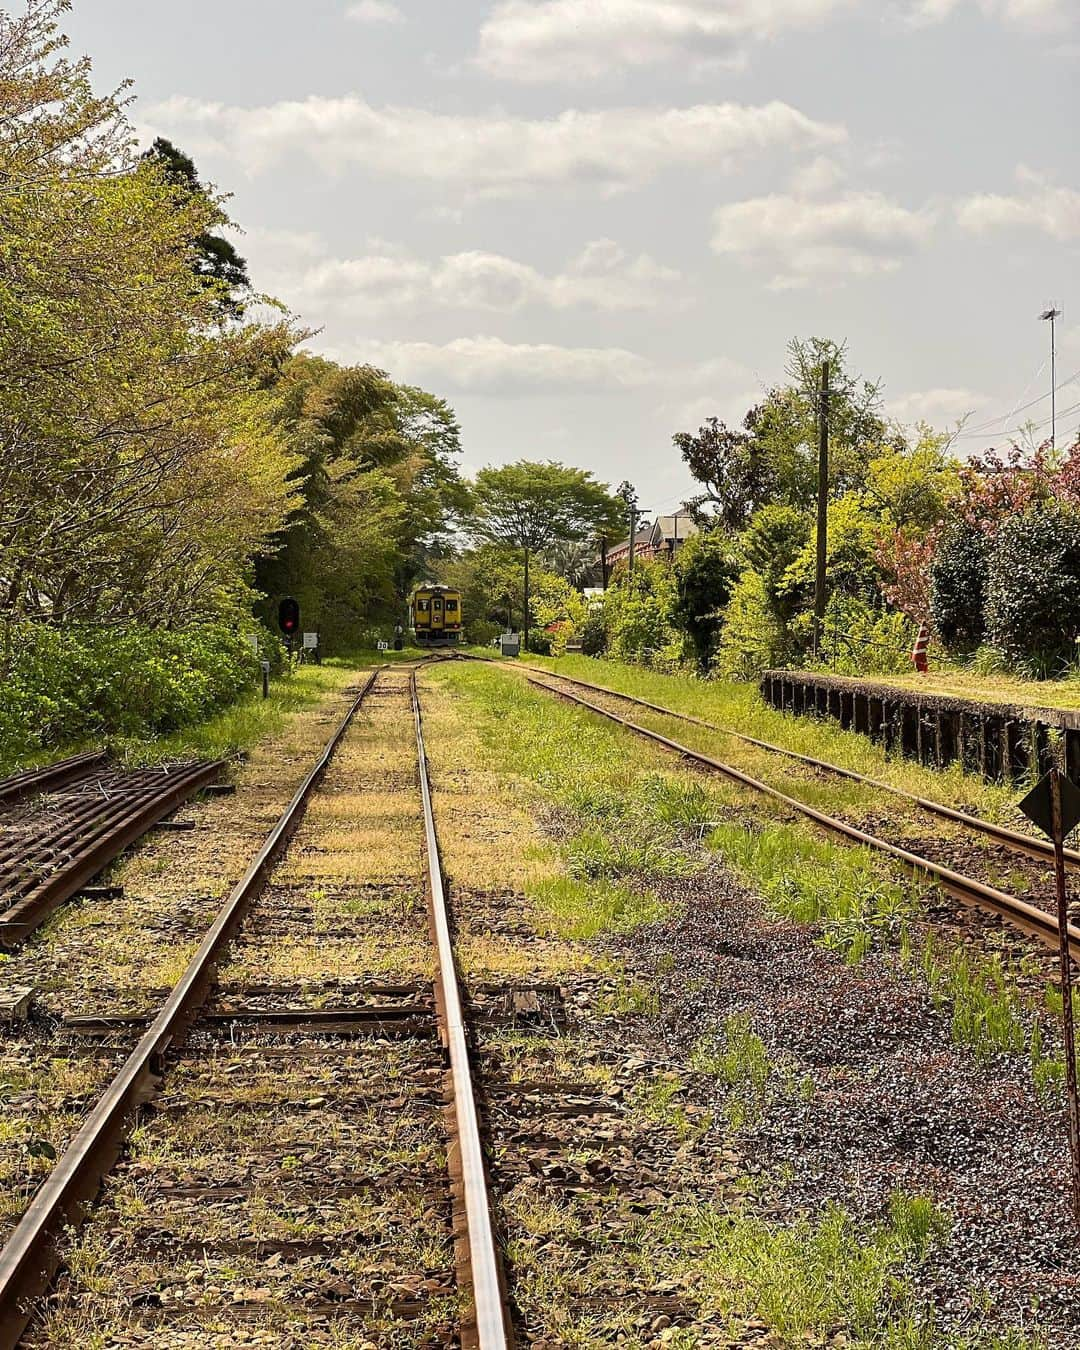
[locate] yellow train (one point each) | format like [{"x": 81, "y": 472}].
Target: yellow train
[{"x": 436, "y": 616}]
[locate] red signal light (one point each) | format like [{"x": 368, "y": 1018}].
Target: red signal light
[{"x": 289, "y": 616}]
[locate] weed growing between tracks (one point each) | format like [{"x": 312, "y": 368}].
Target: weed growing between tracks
[
  {"x": 656, "y": 1198},
  {"x": 708, "y": 1240}
]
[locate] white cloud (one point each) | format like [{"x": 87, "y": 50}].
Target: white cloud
[
  {"x": 818, "y": 177},
  {"x": 375, "y": 11},
  {"x": 1038, "y": 205},
  {"x": 938, "y": 407},
  {"x": 1041, "y": 15},
  {"x": 546, "y": 40},
  {"x": 607, "y": 149},
  {"x": 488, "y": 365},
  {"x": 602, "y": 277},
  {"x": 807, "y": 241}
]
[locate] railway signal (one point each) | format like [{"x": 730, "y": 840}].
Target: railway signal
[
  {"x": 288, "y": 617},
  {"x": 1053, "y": 804}
]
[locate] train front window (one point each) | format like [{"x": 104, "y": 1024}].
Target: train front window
[
  {"x": 451, "y": 606},
  {"x": 421, "y": 606}
]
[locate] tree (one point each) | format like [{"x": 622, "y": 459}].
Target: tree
[
  {"x": 773, "y": 456},
  {"x": 959, "y": 575},
  {"x": 705, "y": 574},
  {"x": 732, "y": 468},
  {"x": 532, "y": 506},
  {"x": 138, "y": 466},
  {"x": 377, "y": 485},
  {"x": 215, "y": 260}
]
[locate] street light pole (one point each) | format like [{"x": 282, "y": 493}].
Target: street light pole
[{"x": 1051, "y": 316}]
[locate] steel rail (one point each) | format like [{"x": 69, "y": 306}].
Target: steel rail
[
  {"x": 1001, "y": 834},
  {"x": 30, "y": 1256},
  {"x": 32, "y": 781},
  {"x": 484, "y": 1274},
  {"x": 88, "y": 854},
  {"x": 1018, "y": 912}
]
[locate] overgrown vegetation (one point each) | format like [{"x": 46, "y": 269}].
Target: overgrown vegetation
[{"x": 164, "y": 453}]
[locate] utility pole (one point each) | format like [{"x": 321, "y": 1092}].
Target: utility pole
[
  {"x": 1051, "y": 316},
  {"x": 634, "y": 514},
  {"x": 822, "y": 506},
  {"x": 603, "y": 562},
  {"x": 525, "y": 649}
]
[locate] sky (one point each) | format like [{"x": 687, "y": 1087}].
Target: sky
[{"x": 590, "y": 224}]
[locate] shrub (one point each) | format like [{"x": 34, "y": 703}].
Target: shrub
[
  {"x": 482, "y": 632},
  {"x": 1033, "y": 596},
  {"x": 861, "y": 639},
  {"x": 705, "y": 574},
  {"x": 63, "y": 687},
  {"x": 753, "y": 637},
  {"x": 959, "y": 574},
  {"x": 593, "y": 634}
]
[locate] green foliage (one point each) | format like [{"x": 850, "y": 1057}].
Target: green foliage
[
  {"x": 593, "y": 632},
  {"x": 753, "y": 638},
  {"x": 814, "y": 881},
  {"x": 810, "y": 1279},
  {"x": 638, "y": 617},
  {"x": 850, "y": 552},
  {"x": 986, "y": 1010},
  {"x": 66, "y": 687},
  {"x": 775, "y": 537},
  {"x": 739, "y": 1059},
  {"x": 532, "y": 506},
  {"x": 862, "y": 639},
  {"x": 911, "y": 487},
  {"x": 705, "y": 574},
  {"x": 380, "y": 487},
  {"x": 959, "y": 577},
  {"x": 1033, "y": 596}
]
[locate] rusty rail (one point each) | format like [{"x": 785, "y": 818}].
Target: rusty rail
[
  {"x": 29, "y": 782},
  {"x": 84, "y": 830},
  {"x": 490, "y": 1331},
  {"x": 1017, "y": 912},
  {"x": 30, "y": 1256},
  {"x": 1000, "y": 834}
]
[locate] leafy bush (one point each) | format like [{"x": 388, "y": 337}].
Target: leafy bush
[
  {"x": 705, "y": 574},
  {"x": 1033, "y": 596},
  {"x": 482, "y": 632},
  {"x": 63, "y": 687},
  {"x": 753, "y": 637},
  {"x": 593, "y": 633},
  {"x": 637, "y": 616},
  {"x": 862, "y": 639},
  {"x": 959, "y": 575}
]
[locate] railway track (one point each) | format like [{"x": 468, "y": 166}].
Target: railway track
[
  {"x": 1021, "y": 915},
  {"x": 84, "y": 816},
  {"x": 1026, "y": 844},
  {"x": 355, "y": 1225}
]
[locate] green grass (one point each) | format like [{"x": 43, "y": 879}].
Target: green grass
[
  {"x": 988, "y": 1013},
  {"x": 242, "y": 723},
  {"x": 739, "y": 707},
  {"x": 814, "y": 1278},
  {"x": 811, "y": 880},
  {"x": 625, "y": 819},
  {"x": 580, "y": 909}
]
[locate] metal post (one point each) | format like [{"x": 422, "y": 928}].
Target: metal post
[
  {"x": 1066, "y": 989},
  {"x": 1051, "y": 316},
  {"x": 265, "y": 678},
  {"x": 822, "y": 505},
  {"x": 526, "y": 624}
]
